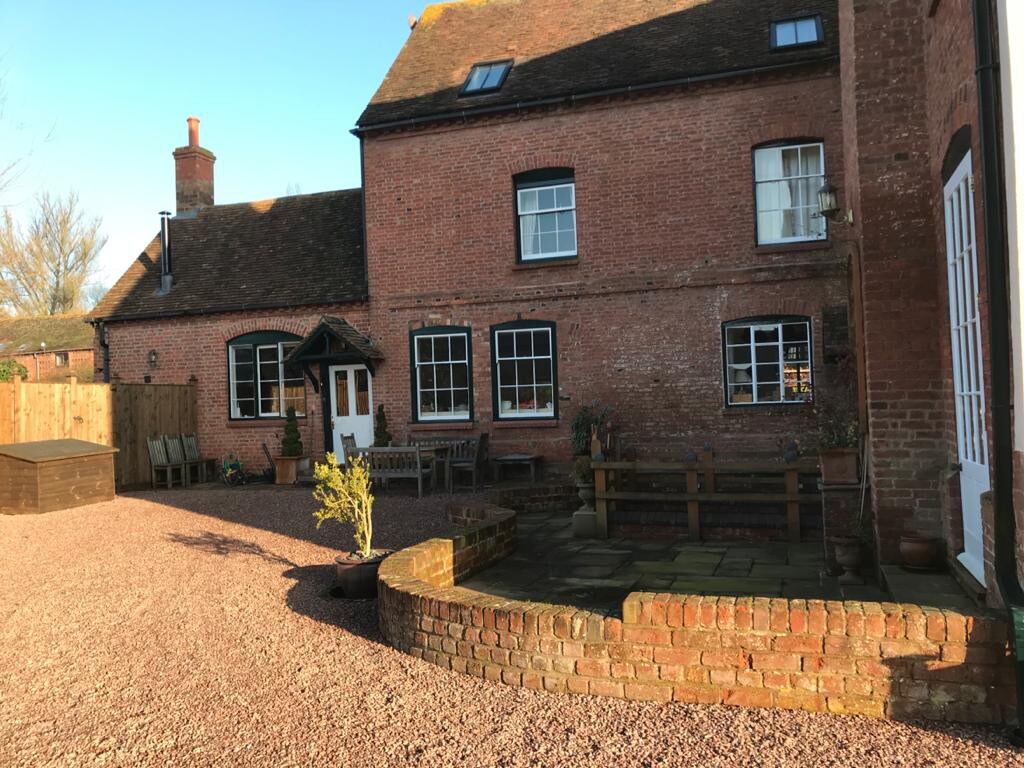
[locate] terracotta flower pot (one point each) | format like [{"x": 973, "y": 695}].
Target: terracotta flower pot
[
  {"x": 838, "y": 466},
  {"x": 357, "y": 577},
  {"x": 919, "y": 553}
]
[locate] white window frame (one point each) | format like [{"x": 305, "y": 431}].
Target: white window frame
[
  {"x": 797, "y": 25},
  {"x": 418, "y": 364},
  {"x": 514, "y": 412},
  {"x": 778, "y": 324},
  {"x": 522, "y": 216},
  {"x": 256, "y": 381},
  {"x": 811, "y": 206}
]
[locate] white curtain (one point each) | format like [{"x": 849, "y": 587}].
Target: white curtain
[{"x": 773, "y": 197}]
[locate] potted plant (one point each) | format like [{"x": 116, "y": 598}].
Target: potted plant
[
  {"x": 838, "y": 441},
  {"x": 344, "y": 496},
  {"x": 583, "y": 475},
  {"x": 588, "y": 418},
  {"x": 920, "y": 553},
  {"x": 291, "y": 451},
  {"x": 590, "y": 415}
]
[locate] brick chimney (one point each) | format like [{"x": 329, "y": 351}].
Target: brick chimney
[{"x": 193, "y": 172}]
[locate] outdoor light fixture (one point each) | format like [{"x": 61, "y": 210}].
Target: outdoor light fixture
[
  {"x": 828, "y": 201},
  {"x": 152, "y": 358}
]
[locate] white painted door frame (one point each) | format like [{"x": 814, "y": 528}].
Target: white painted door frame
[
  {"x": 351, "y": 401},
  {"x": 967, "y": 359}
]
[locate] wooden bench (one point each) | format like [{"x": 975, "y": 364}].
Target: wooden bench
[
  {"x": 160, "y": 462},
  {"x": 395, "y": 463}
]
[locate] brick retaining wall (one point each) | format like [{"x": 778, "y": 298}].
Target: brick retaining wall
[
  {"x": 880, "y": 659},
  {"x": 538, "y": 498}
]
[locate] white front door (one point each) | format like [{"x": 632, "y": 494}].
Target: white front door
[
  {"x": 968, "y": 373},
  {"x": 351, "y": 405}
]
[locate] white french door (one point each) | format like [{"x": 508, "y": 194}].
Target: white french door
[
  {"x": 351, "y": 405},
  {"x": 968, "y": 370}
]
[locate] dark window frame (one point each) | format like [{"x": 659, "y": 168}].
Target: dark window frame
[
  {"x": 509, "y": 63},
  {"x": 61, "y": 359},
  {"x": 253, "y": 341},
  {"x": 543, "y": 177},
  {"x": 439, "y": 330},
  {"x": 773, "y": 39},
  {"x": 766, "y": 319},
  {"x": 524, "y": 325}
]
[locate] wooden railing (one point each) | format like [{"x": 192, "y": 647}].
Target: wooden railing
[{"x": 701, "y": 480}]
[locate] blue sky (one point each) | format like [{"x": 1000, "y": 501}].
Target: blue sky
[{"x": 96, "y": 96}]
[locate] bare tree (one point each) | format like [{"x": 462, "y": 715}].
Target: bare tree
[{"x": 45, "y": 267}]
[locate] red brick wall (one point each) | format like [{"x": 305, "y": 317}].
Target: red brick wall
[
  {"x": 42, "y": 366},
  {"x": 878, "y": 659},
  {"x": 666, "y": 254},
  {"x": 197, "y": 346}
]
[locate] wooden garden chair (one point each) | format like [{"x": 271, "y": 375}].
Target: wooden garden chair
[
  {"x": 159, "y": 462},
  {"x": 348, "y": 447},
  {"x": 176, "y": 455},
  {"x": 194, "y": 458},
  {"x": 469, "y": 456}
]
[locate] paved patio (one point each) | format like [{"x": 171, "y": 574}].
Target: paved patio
[{"x": 551, "y": 566}]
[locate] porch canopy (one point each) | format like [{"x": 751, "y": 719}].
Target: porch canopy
[{"x": 333, "y": 342}]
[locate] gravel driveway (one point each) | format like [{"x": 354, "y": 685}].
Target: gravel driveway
[{"x": 190, "y": 628}]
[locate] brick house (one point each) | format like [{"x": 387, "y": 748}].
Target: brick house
[
  {"x": 571, "y": 201},
  {"x": 51, "y": 347}
]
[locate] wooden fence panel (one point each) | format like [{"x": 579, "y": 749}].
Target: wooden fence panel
[
  {"x": 144, "y": 410},
  {"x": 121, "y": 415}
]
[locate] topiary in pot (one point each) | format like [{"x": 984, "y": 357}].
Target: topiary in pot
[
  {"x": 345, "y": 496},
  {"x": 838, "y": 440},
  {"x": 381, "y": 436},
  {"x": 291, "y": 451}
]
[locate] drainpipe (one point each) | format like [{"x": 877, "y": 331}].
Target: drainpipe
[
  {"x": 1005, "y": 534},
  {"x": 105, "y": 346}
]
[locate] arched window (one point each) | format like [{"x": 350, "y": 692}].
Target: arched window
[
  {"x": 767, "y": 360},
  {"x": 260, "y": 383},
  {"x": 546, "y": 214}
]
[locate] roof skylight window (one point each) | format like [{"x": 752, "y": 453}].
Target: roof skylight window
[
  {"x": 484, "y": 78},
  {"x": 796, "y": 32}
]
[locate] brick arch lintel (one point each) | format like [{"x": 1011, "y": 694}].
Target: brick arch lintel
[
  {"x": 538, "y": 161},
  {"x": 784, "y": 129},
  {"x": 296, "y": 326}
]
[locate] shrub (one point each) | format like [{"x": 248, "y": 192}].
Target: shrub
[
  {"x": 381, "y": 436},
  {"x": 838, "y": 425},
  {"x": 291, "y": 444},
  {"x": 582, "y": 471},
  {"x": 344, "y": 496},
  {"x": 588, "y": 416},
  {"x": 11, "y": 368}
]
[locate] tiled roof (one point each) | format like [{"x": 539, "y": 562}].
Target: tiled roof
[
  {"x": 311, "y": 347},
  {"x": 58, "y": 332},
  {"x": 574, "y": 47},
  {"x": 290, "y": 251}
]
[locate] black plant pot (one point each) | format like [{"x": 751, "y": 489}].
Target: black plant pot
[{"x": 357, "y": 576}]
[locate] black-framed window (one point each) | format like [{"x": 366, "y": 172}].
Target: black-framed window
[
  {"x": 798, "y": 32},
  {"x": 767, "y": 360},
  {"x": 524, "y": 370},
  {"x": 546, "y": 214},
  {"x": 787, "y": 177},
  {"x": 260, "y": 383},
  {"x": 441, "y": 366},
  {"x": 486, "y": 77}
]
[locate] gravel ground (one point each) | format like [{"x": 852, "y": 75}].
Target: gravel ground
[{"x": 191, "y": 628}]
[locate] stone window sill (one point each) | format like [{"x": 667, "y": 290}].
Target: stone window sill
[
  {"x": 526, "y": 424},
  {"x": 546, "y": 264},
  {"x": 812, "y": 245},
  {"x": 442, "y": 426}
]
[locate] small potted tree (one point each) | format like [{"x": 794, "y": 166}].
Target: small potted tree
[
  {"x": 381, "y": 435},
  {"x": 838, "y": 440},
  {"x": 589, "y": 417},
  {"x": 345, "y": 496},
  {"x": 291, "y": 451}
]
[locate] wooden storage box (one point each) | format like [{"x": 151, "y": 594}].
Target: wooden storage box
[{"x": 54, "y": 474}]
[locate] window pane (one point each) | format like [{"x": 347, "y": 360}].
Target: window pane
[
  {"x": 444, "y": 401},
  {"x": 242, "y": 354},
  {"x": 427, "y": 379},
  {"x": 458, "y": 344},
  {"x": 524, "y": 372},
  {"x": 460, "y": 401},
  {"x": 547, "y": 223},
  {"x": 806, "y": 31},
  {"x": 810, "y": 160},
  {"x": 362, "y": 392},
  {"x": 460, "y": 375},
  {"x": 507, "y": 400},
  {"x": 524, "y": 343},
  {"x": 506, "y": 372},
  {"x": 494, "y": 75},
  {"x": 767, "y": 374},
  {"x": 245, "y": 391},
  {"x": 545, "y": 399},
  {"x": 740, "y": 374},
  {"x": 542, "y": 343},
  {"x": 794, "y": 332},
  {"x": 785, "y": 33},
  {"x": 768, "y": 164},
  {"x": 506, "y": 344},
  {"x": 444, "y": 376},
  {"x": 546, "y": 198},
  {"x": 244, "y": 372},
  {"x": 768, "y": 393},
  {"x": 765, "y": 333},
  {"x": 441, "y": 351},
  {"x": 549, "y": 243},
  {"x": 528, "y": 201},
  {"x": 427, "y": 403},
  {"x": 476, "y": 78},
  {"x": 743, "y": 393},
  {"x": 563, "y": 197},
  {"x": 790, "y": 161},
  {"x": 736, "y": 355},
  {"x": 526, "y": 399},
  {"x": 738, "y": 335},
  {"x": 770, "y": 196},
  {"x": 341, "y": 406},
  {"x": 245, "y": 409},
  {"x": 542, "y": 370},
  {"x": 424, "y": 350}
]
